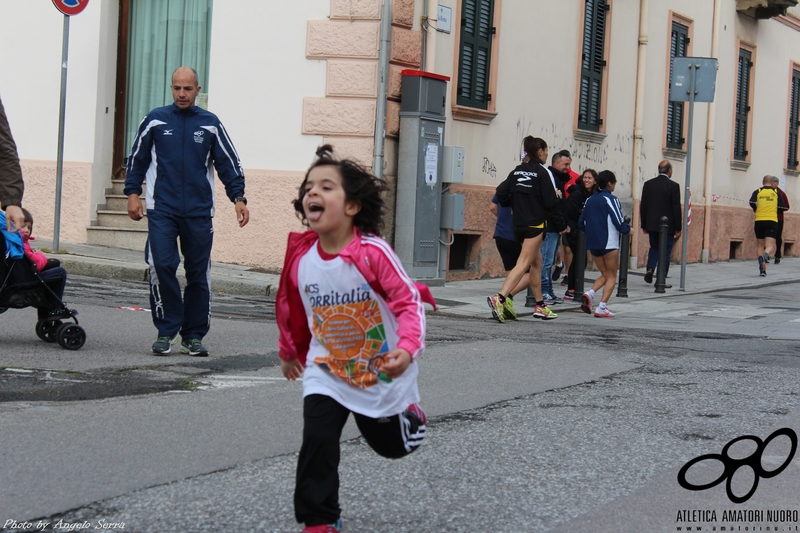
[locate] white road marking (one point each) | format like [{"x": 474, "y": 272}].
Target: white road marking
[{"x": 220, "y": 381}]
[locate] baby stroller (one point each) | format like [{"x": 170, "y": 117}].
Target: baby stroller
[{"x": 22, "y": 286}]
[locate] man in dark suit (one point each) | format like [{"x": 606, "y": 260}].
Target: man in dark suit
[{"x": 661, "y": 197}]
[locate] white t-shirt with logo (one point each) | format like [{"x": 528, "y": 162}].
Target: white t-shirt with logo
[{"x": 352, "y": 328}]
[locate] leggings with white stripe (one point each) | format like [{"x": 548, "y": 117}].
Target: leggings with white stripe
[{"x": 316, "y": 495}]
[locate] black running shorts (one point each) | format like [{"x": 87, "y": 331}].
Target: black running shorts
[
  {"x": 527, "y": 232},
  {"x": 600, "y": 253},
  {"x": 766, "y": 228},
  {"x": 509, "y": 252}
]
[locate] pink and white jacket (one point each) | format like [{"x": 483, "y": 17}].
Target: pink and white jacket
[
  {"x": 38, "y": 258},
  {"x": 380, "y": 266}
]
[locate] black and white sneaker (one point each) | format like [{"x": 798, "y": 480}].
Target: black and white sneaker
[
  {"x": 194, "y": 347},
  {"x": 163, "y": 345}
]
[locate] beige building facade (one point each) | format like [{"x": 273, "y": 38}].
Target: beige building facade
[{"x": 595, "y": 83}]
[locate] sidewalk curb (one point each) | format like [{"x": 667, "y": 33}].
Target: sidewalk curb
[
  {"x": 114, "y": 270},
  {"x": 678, "y": 292},
  {"x": 102, "y": 268}
]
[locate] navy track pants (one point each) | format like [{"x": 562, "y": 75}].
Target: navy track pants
[{"x": 188, "y": 315}]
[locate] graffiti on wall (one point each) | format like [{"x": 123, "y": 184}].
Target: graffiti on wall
[
  {"x": 489, "y": 168},
  {"x": 614, "y": 153}
]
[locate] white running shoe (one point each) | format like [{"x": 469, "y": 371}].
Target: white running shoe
[{"x": 604, "y": 312}]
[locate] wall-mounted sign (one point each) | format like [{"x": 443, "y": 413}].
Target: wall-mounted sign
[{"x": 445, "y": 22}]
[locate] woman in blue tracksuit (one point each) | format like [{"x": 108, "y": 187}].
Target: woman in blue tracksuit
[{"x": 603, "y": 223}]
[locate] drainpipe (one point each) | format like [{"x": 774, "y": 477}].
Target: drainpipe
[
  {"x": 383, "y": 82},
  {"x": 431, "y": 13},
  {"x": 708, "y": 178},
  {"x": 638, "y": 133},
  {"x": 425, "y": 21}
]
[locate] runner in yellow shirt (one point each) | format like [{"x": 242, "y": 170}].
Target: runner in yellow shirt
[{"x": 766, "y": 202}]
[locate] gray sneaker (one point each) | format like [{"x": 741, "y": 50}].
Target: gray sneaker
[
  {"x": 194, "y": 347},
  {"x": 163, "y": 345},
  {"x": 552, "y": 299}
]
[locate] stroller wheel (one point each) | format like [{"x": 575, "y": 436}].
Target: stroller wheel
[
  {"x": 46, "y": 329},
  {"x": 70, "y": 336}
]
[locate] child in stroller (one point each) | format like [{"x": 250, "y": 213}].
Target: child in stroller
[{"x": 29, "y": 279}]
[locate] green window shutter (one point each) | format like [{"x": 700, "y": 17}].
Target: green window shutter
[
  {"x": 742, "y": 109},
  {"x": 475, "y": 55},
  {"x": 679, "y": 44},
  {"x": 794, "y": 121},
  {"x": 592, "y": 65}
]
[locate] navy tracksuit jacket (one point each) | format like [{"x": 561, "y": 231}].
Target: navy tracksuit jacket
[{"x": 177, "y": 151}]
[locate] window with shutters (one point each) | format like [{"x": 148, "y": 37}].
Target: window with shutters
[
  {"x": 794, "y": 120},
  {"x": 593, "y": 65},
  {"x": 475, "y": 53},
  {"x": 744, "y": 90},
  {"x": 678, "y": 47}
]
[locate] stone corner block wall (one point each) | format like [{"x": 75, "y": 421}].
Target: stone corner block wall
[
  {"x": 406, "y": 46},
  {"x": 394, "y": 91},
  {"x": 403, "y": 13},
  {"x": 342, "y": 39},
  {"x": 392, "y": 119},
  {"x": 356, "y": 9},
  {"x": 329, "y": 116},
  {"x": 352, "y": 78},
  {"x": 359, "y": 149}
]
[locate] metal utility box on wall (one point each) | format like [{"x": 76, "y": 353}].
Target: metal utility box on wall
[
  {"x": 419, "y": 173},
  {"x": 453, "y": 170},
  {"x": 423, "y": 92},
  {"x": 453, "y": 212}
]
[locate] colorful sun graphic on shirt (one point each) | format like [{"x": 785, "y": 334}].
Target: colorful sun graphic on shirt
[{"x": 355, "y": 338}]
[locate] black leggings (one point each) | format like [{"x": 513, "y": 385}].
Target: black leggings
[
  {"x": 316, "y": 495},
  {"x": 571, "y": 274}
]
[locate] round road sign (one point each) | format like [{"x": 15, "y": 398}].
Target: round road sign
[{"x": 70, "y": 7}]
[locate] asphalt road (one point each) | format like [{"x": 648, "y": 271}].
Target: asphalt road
[{"x": 574, "y": 425}]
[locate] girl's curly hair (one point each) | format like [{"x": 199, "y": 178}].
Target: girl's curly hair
[{"x": 359, "y": 186}]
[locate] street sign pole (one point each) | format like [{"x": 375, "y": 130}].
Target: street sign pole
[
  {"x": 61, "y": 115},
  {"x": 700, "y": 74},
  {"x": 685, "y": 232},
  {"x": 67, "y": 8}
]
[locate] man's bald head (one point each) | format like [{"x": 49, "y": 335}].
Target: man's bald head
[
  {"x": 665, "y": 167},
  {"x": 184, "y": 71},
  {"x": 185, "y": 87},
  {"x": 768, "y": 180}
]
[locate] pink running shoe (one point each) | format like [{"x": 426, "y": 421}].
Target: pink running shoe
[
  {"x": 586, "y": 303},
  {"x": 336, "y": 527},
  {"x": 418, "y": 412}
]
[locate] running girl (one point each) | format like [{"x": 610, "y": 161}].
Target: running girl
[{"x": 352, "y": 324}]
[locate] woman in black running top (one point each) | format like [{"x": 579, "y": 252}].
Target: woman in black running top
[{"x": 531, "y": 193}]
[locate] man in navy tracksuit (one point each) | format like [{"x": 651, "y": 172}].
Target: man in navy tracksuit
[{"x": 177, "y": 148}]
